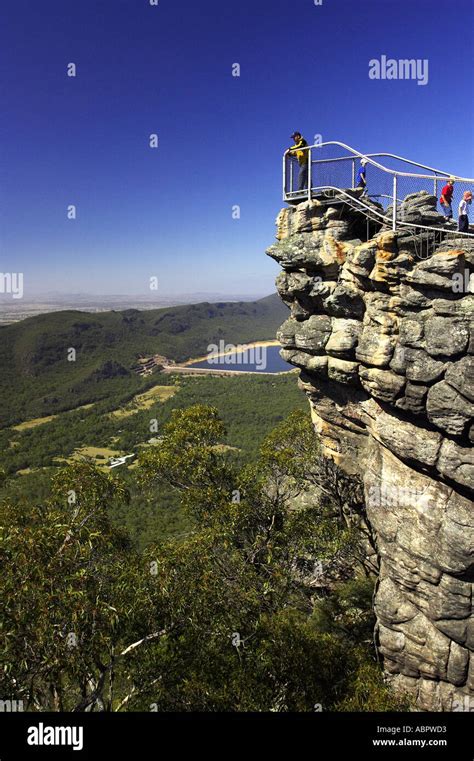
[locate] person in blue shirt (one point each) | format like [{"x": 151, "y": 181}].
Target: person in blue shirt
[{"x": 361, "y": 177}]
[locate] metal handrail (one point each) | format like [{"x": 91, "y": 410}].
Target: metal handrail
[
  {"x": 351, "y": 200},
  {"x": 368, "y": 155},
  {"x": 371, "y": 155},
  {"x": 358, "y": 154},
  {"x": 414, "y": 163},
  {"x": 440, "y": 177},
  {"x": 389, "y": 155}
]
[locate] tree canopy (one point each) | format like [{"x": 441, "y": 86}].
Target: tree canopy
[{"x": 263, "y": 605}]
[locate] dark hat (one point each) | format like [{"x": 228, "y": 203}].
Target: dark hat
[{"x": 295, "y": 133}]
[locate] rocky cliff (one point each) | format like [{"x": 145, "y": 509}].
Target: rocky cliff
[{"x": 384, "y": 339}]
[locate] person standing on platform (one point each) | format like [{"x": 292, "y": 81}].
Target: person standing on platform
[
  {"x": 362, "y": 177},
  {"x": 463, "y": 221},
  {"x": 297, "y": 151},
  {"x": 446, "y": 199}
]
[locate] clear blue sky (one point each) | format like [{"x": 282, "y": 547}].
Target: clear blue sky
[{"x": 167, "y": 70}]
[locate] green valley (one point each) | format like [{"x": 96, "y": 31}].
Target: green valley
[{"x": 41, "y": 376}]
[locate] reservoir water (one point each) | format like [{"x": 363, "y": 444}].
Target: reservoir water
[{"x": 252, "y": 358}]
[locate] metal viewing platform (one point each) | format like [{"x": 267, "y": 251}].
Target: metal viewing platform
[{"x": 332, "y": 172}]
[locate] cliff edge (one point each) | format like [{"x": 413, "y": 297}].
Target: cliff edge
[{"x": 383, "y": 332}]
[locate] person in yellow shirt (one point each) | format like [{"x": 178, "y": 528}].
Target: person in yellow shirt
[{"x": 302, "y": 156}]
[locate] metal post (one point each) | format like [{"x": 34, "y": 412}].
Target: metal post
[
  {"x": 394, "y": 211},
  {"x": 309, "y": 174},
  {"x": 436, "y": 188},
  {"x": 353, "y": 173},
  {"x": 291, "y": 173},
  {"x": 284, "y": 175}
]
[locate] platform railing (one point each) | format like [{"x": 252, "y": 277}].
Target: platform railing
[{"x": 385, "y": 183}]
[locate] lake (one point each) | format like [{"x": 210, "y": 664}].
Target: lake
[{"x": 251, "y": 358}]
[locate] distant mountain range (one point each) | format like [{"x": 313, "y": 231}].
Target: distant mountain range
[
  {"x": 40, "y": 376},
  {"x": 13, "y": 310}
]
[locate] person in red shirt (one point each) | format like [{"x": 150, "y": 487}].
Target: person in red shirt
[{"x": 446, "y": 199}]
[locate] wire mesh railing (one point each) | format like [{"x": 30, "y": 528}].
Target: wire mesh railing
[{"x": 335, "y": 166}]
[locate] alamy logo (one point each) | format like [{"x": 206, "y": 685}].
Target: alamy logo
[
  {"x": 388, "y": 495},
  {"x": 463, "y": 282},
  {"x": 466, "y": 704},
  {"x": 41, "y": 735},
  {"x": 11, "y": 706},
  {"x": 231, "y": 354},
  {"x": 12, "y": 282},
  {"x": 404, "y": 68}
]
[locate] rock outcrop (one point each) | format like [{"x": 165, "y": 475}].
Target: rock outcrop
[{"x": 385, "y": 343}]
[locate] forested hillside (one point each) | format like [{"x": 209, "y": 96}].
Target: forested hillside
[
  {"x": 38, "y": 378},
  {"x": 250, "y": 407},
  {"x": 255, "y": 606}
]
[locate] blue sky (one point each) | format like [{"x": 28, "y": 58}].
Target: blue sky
[{"x": 167, "y": 69}]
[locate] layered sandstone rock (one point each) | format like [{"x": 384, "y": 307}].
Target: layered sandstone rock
[{"x": 385, "y": 343}]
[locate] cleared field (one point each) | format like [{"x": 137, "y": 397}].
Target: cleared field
[
  {"x": 33, "y": 423},
  {"x": 27, "y": 424},
  {"x": 100, "y": 455},
  {"x": 225, "y": 448},
  {"x": 123, "y": 412},
  {"x": 145, "y": 401},
  {"x": 96, "y": 453}
]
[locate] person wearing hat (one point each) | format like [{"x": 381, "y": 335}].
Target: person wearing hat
[
  {"x": 301, "y": 155},
  {"x": 362, "y": 177},
  {"x": 446, "y": 199},
  {"x": 463, "y": 221}
]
